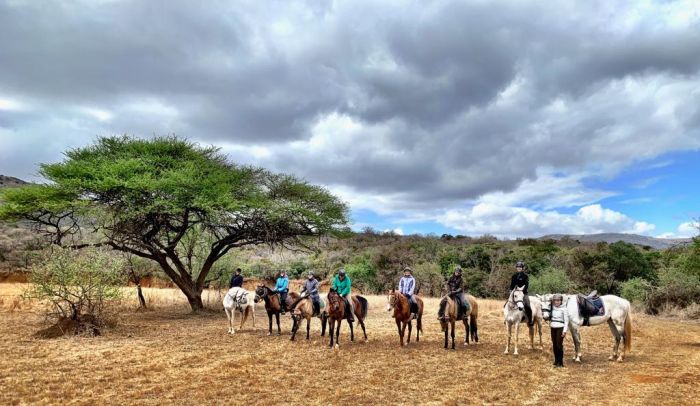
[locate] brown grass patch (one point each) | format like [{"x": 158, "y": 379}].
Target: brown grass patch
[{"x": 170, "y": 356}]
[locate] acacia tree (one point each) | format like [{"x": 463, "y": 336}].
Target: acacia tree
[{"x": 171, "y": 201}]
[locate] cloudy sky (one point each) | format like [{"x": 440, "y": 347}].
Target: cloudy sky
[{"x": 515, "y": 118}]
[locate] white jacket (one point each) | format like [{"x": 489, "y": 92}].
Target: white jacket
[{"x": 560, "y": 318}]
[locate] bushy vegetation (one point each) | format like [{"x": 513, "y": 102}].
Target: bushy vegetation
[{"x": 77, "y": 284}]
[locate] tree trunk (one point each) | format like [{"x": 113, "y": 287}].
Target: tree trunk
[
  {"x": 195, "y": 301},
  {"x": 142, "y": 300}
]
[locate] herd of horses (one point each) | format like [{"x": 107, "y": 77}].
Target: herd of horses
[{"x": 617, "y": 314}]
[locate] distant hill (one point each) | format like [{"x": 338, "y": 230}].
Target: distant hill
[
  {"x": 9, "y": 181},
  {"x": 657, "y": 243}
]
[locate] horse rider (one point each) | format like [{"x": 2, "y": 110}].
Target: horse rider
[
  {"x": 407, "y": 285},
  {"x": 282, "y": 287},
  {"x": 455, "y": 287},
  {"x": 236, "y": 279},
  {"x": 310, "y": 287},
  {"x": 519, "y": 279},
  {"x": 342, "y": 285}
]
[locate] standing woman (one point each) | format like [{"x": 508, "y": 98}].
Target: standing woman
[{"x": 559, "y": 325}]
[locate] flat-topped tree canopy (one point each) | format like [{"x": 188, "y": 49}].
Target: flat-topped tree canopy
[{"x": 172, "y": 201}]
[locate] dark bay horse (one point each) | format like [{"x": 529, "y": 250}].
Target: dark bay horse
[
  {"x": 272, "y": 305},
  {"x": 448, "y": 323},
  {"x": 402, "y": 314},
  {"x": 336, "y": 312}
]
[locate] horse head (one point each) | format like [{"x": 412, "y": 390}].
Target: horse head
[
  {"x": 334, "y": 301},
  {"x": 518, "y": 297},
  {"x": 546, "y": 305},
  {"x": 391, "y": 300},
  {"x": 260, "y": 293}
]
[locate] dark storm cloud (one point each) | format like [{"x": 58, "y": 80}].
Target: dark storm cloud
[{"x": 455, "y": 99}]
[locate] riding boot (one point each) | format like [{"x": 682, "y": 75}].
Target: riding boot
[{"x": 349, "y": 312}]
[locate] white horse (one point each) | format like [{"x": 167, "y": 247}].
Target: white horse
[
  {"x": 241, "y": 300},
  {"x": 514, "y": 314},
  {"x": 617, "y": 314}
]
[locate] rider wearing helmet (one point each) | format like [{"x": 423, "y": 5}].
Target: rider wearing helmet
[
  {"x": 311, "y": 288},
  {"x": 282, "y": 287},
  {"x": 559, "y": 323},
  {"x": 520, "y": 279},
  {"x": 342, "y": 285},
  {"x": 407, "y": 285},
  {"x": 455, "y": 290}
]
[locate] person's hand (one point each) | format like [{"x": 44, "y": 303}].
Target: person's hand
[{"x": 563, "y": 334}]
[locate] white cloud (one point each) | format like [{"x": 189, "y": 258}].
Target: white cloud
[{"x": 507, "y": 221}]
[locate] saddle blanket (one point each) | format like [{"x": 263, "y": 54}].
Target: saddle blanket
[{"x": 591, "y": 307}]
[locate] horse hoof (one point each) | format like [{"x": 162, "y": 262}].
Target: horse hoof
[
  {"x": 269, "y": 334},
  {"x": 279, "y": 334},
  {"x": 515, "y": 353},
  {"x": 505, "y": 352},
  {"x": 337, "y": 347}
]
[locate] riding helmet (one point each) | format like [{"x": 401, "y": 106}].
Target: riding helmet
[
  {"x": 520, "y": 264},
  {"x": 408, "y": 268},
  {"x": 342, "y": 271},
  {"x": 557, "y": 296},
  {"x": 458, "y": 269}
]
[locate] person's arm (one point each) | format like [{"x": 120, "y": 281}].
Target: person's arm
[
  {"x": 512, "y": 281},
  {"x": 401, "y": 285},
  {"x": 527, "y": 282},
  {"x": 566, "y": 321},
  {"x": 314, "y": 287},
  {"x": 411, "y": 286},
  {"x": 285, "y": 284}
]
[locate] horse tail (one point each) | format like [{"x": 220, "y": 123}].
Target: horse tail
[
  {"x": 363, "y": 306},
  {"x": 628, "y": 331}
]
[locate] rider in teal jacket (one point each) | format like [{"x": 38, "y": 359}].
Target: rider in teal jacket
[{"x": 342, "y": 285}]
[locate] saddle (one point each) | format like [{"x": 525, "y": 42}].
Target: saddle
[{"x": 590, "y": 305}]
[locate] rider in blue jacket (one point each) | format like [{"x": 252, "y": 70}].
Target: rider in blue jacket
[{"x": 282, "y": 287}]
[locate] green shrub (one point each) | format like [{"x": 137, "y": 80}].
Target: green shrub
[
  {"x": 636, "y": 290},
  {"x": 363, "y": 275},
  {"x": 77, "y": 284},
  {"x": 550, "y": 280},
  {"x": 677, "y": 287},
  {"x": 429, "y": 279}
]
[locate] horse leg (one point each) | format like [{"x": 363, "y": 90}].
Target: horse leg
[
  {"x": 295, "y": 327},
  {"x": 466, "y": 332},
  {"x": 279, "y": 330},
  {"x": 362, "y": 323},
  {"x": 269, "y": 329},
  {"x": 252, "y": 309},
  {"x": 452, "y": 332},
  {"x": 331, "y": 330},
  {"x": 228, "y": 316},
  {"x": 410, "y": 328},
  {"x": 508, "y": 330},
  {"x": 418, "y": 327},
  {"x": 576, "y": 336},
  {"x": 531, "y": 332},
  {"x": 517, "y": 332},
  {"x": 352, "y": 332},
  {"x": 403, "y": 332},
  {"x": 324, "y": 320},
  {"x": 617, "y": 337},
  {"x": 539, "y": 331},
  {"x": 308, "y": 327},
  {"x": 244, "y": 317},
  {"x": 337, "y": 333}
]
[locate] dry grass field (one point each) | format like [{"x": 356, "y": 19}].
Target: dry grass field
[{"x": 167, "y": 355}]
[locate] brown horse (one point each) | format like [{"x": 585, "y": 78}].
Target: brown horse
[
  {"x": 402, "y": 314},
  {"x": 303, "y": 308},
  {"x": 450, "y": 312},
  {"x": 272, "y": 305},
  {"x": 336, "y": 312}
]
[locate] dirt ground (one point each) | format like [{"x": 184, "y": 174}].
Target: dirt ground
[{"x": 167, "y": 355}]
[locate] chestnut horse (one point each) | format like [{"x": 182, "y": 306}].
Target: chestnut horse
[
  {"x": 336, "y": 312},
  {"x": 402, "y": 314},
  {"x": 450, "y": 312},
  {"x": 272, "y": 305}
]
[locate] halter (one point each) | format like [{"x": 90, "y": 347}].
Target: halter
[{"x": 514, "y": 303}]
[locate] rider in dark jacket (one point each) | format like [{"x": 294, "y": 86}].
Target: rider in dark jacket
[
  {"x": 520, "y": 279},
  {"x": 236, "y": 279},
  {"x": 455, "y": 286}
]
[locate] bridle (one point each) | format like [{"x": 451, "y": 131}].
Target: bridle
[{"x": 512, "y": 303}]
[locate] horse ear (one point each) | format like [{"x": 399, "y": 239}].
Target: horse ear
[{"x": 521, "y": 287}]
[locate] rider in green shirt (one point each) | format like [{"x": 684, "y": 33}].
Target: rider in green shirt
[{"x": 342, "y": 285}]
